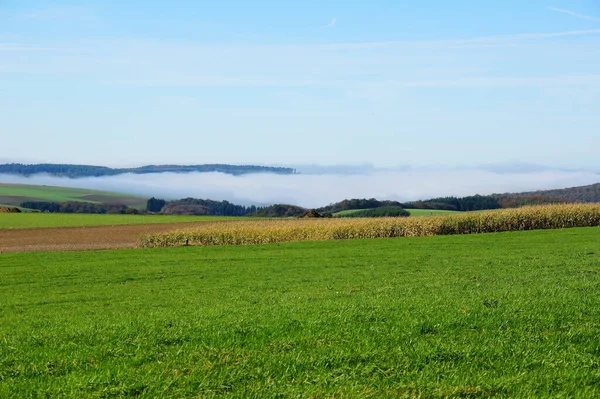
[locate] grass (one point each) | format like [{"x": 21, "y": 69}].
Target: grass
[
  {"x": 347, "y": 212},
  {"x": 14, "y": 194},
  {"x": 36, "y": 220},
  {"x": 413, "y": 212},
  {"x": 428, "y": 212},
  {"x": 507, "y": 314}
]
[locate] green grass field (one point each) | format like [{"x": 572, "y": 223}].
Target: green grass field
[
  {"x": 428, "y": 212},
  {"x": 347, "y": 212},
  {"x": 413, "y": 212},
  {"x": 14, "y": 194},
  {"x": 36, "y": 219},
  {"x": 507, "y": 315}
]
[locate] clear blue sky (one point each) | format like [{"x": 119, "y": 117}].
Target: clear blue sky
[{"x": 269, "y": 82}]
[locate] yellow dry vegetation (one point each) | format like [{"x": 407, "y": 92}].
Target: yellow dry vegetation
[{"x": 289, "y": 230}]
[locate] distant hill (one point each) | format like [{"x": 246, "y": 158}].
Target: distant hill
[
  {"x": 382, "y": 211},
  {"x": 356, "y": 203},
  {"x": 280, "y": 210},
  {"x": 68, "y": 170},
  {"x": 197, "y": 206},
  {"x": 16, "y": 194},
  {"x": 589, "y": 193}
]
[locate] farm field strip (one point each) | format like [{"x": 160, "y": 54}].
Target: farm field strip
[
  {"x": 316, "y": 229},
  {"x": 128, "y": 231},
  {"x": 512, "y": 314},
  {"x": 82, "y": 238},
  {"x": 42, "y": 220}
]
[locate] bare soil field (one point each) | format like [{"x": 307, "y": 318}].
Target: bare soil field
[{"x": 81, "y": 238}]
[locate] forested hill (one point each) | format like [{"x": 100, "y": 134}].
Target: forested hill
[
  {"x": 68, "y": 170},
  {"x": 356, "y": 203},
  {"x": 590, "y": 193}
]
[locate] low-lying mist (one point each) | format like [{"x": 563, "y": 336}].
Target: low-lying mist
[{"x": 313, "y": 191}]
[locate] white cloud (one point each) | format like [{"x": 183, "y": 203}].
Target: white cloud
[
  {"x": 331, "y": 23},
  {"x": 574, "y": 14}
]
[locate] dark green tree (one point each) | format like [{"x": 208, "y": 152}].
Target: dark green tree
[{"x": 155, "y": 204}]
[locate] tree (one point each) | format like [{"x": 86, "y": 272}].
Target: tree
[{"x": 155, "y": 204}]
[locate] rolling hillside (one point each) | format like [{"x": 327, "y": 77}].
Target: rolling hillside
[
  {"x": 589, "y": 193},
  {"x": 15, "y": 194}
]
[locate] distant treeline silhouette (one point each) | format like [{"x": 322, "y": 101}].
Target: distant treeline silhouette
[
  {"x": 196, "y": 206},
  {"x": 68, "y": 170},
  {"x": 77, "y": 207}
]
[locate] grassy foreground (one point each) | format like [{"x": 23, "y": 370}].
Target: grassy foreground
[
  {"x": 508, "y": 315},
  {"x": 37, "y": 219}
]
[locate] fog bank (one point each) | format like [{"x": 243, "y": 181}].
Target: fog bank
[{"x": 319, "y": 190}]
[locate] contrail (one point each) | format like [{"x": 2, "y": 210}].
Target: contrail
[{"x": 575, "y": 14}]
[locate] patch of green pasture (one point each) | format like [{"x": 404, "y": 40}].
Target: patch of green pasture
[
  {"x": 347, "y": 212},
  {"x": 428, "y": 212},
  {"x": 57, "y": 194},
  {"x": 493, "y": 315},
  {"x": 413, "y": 212},
  {"x": 41, "y": 219}
]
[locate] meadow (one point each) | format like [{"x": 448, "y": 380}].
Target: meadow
[
  {"x": 428, "y": 212},
  {"x": 493, "y": 315},
  {"x": 14, "y": 194},
  {"x": 413, "y": 212},
  {"x": 39, "y": 220}
]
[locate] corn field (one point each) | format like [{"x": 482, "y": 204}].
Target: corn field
[{"x": 292, "y": 230}]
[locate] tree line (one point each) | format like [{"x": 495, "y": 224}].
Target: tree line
[
  {"x": 78, "y": 207},
  {"x": 485, "y": 202},
  {"x": 73, "y": 171},
  {"x": 197, "y": 206},
  {"x": 357, "y": 203}
]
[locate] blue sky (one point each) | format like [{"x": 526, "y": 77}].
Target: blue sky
[{"x": 384, "y": 82}]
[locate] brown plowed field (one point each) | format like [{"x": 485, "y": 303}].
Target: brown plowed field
[{"x": 81, "y": 238}]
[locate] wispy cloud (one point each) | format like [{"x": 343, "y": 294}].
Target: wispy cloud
[
  {"x": 383, "y": 68},
  {"x": 58, "y": 13},
  {"x": 14, "y": 47},
  {"x": 331, "y": 23},
  {"x": 499, "y": 39},
  {"x": 574, "y": 14},
  {"x": 471, "y": 82}
]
